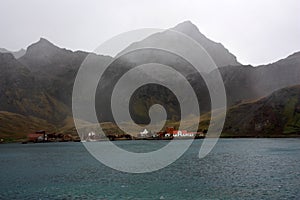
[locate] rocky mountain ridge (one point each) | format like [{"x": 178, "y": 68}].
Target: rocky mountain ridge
[{"x": 39, "y": 84}]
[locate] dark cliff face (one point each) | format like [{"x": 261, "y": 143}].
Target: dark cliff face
[
  {"x": 275, "y": 115},
  {"x": 55, "y": 68},
  {"x": 46, "y": 58},
  {"x": 21, "y": 92},
  {"x": 247, "y": 82},
  {"x": 148, "y": 95}
]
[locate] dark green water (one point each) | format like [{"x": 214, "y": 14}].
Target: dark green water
[{"x": 235, "y": 169}]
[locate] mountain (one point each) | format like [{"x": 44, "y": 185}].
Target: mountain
[
  {"x": 16, "y": 54},
  {"x": 44, "y": 57},
  {"x": 275, "y": 115},
  {"x": 242, "y": 83},
  {"x": 22, "y": 93},
  {"x": 220, "y": 55},
  {"x": 247, "y": 82},
  {"x": 55, "y": 68},
  {"x": 38, "y": 86},
  {"x": 170, "y": 40},
  {"x": 152, "y": 94}
]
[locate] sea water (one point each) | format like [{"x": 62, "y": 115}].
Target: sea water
[{"x": 235, "y": 169}]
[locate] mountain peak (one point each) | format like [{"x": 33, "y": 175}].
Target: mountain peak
[
  {"x": 43, "y": 42},
  {"x": 186, "y": 26},
  {"x": 217, "y": 51},
  {"x": 186, "y": 23},
  {"x": 42, "y": 48},
  {"x": 220, "y": 55}
]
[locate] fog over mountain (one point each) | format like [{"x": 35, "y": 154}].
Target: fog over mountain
[
  {"x": 17, "y": 54},
  {"x": 38, "y": 85},
  {"x": 220, "y": 55},
  {"x": 257, "y": 32},
  {"x": 170, "y": 40}
]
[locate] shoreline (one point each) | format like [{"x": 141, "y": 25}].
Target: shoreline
[{"x": 178, "y": 139}]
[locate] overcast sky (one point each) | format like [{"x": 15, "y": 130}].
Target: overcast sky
[{"x": 256, "y": 31}]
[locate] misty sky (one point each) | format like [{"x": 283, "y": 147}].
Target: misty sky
[{"x": 256, "y": 31}]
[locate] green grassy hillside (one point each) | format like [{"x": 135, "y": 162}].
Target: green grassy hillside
[{"x": 15, "y": 126}]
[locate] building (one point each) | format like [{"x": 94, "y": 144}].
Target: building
[
  {"x": 143, "y": 133},
  {"x": 38, "y": 136},
  {"x": 35, "y": 137},
  {"x": 170, "y": 132}
]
